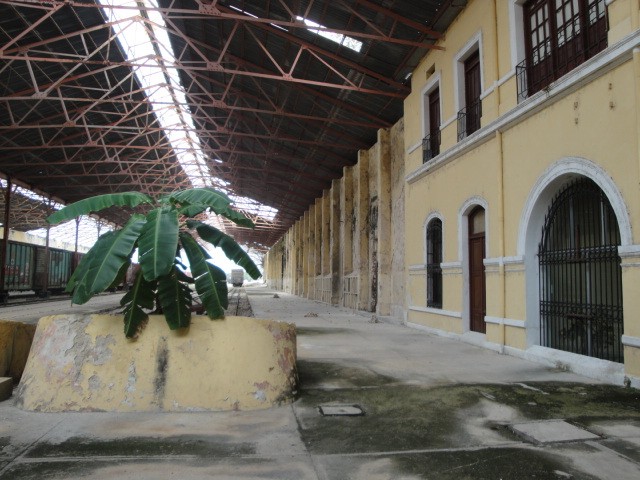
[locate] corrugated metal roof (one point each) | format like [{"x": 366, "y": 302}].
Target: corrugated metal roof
[{"x": 279, "y": 110}]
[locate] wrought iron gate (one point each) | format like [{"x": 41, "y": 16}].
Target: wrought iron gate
[{"x": 580, "y": 274}]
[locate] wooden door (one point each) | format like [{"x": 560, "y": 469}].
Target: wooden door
[
  {"x": 434, "y": 122},
  {"x": 472, "y": 91},
  {"x": 477, "y": 284}
]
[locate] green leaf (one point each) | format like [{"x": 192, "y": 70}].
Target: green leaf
[
  {"x": 141, "y": 296},
  {"x": 229, "y": 246},
  {"x": 202, "y": 196},
  {"x": 183, "y": 277},
  {"x": 158, "y": 243},
  {"x": 221, "y": 284},
  {"x": 237, "y": 218},
  {"x": 205, "y": 277},
  {"x": 121, "y": 275},
  {"x": 97, "y": 203},
  {"x": 192, "y": 210},
  {"x": 175, "y": 298},
  {"x": 100, "y": 266}
]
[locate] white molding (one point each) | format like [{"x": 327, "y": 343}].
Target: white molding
[
  {"x": 595, "y": 368},
  {"x": 435, "y": 311},
  {"x": 596, "y": 67},
  {"x": 516, "y": 32},
  {"x": 506, "y": 78},
  {"x": 473, "y": 44},
  {"x": 629, "y": 251},
  {"x": 450, "y": 265},
  {"x": 430, "y": 86},
  {"x": 549, "y": 183},
  {"x": 487, "y": 92},
  {"x": 432, "y": 215},
  {"x": 518, "y": 259},
  {"x": 418, "y": 267},
  {"x": 463, "y": 224},
  {"x": 629, "y": 341},
  {"x": 448, "y": 122},
  {"x": 413, "y": 148},
  {"x": 493, "y": 262},
  {"x": 509, "y": 322},
  {"x": 603, "y": 370}
]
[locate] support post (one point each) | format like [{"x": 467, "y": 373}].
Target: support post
[{"x": 5, "y": 241}]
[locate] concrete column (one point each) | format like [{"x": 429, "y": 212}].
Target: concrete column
[
  {"x": 299, "y": 257},
  {"x": 311, "y": 258},
  {"x": 384, "y": 224},
  {"x": 372, "y": 213},
  {"x": 346, "y": 220},
  {"x": 326, "y": 232},
  {"x": 306, "y": 252},
  {"x": 361, "y": 233},
  {"x": 335, "y": 250},
  {"x": 318, "y": 247}
]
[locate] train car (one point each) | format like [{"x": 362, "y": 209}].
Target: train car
[{"x": 27, "y": 270}]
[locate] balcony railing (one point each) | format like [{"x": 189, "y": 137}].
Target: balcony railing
[
  {"x": 469, "y": 119},
  {"x": 430, "y": 146},
  {"x": 521, "y": 80}
]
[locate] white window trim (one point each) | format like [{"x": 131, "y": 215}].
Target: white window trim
[
  {"x": 431, "y": 216},
  {"x": 463, "y": 250},
  {"x": 516, "y": 31},
  {"x": 429, "y": 88},
  {"x": 475, "y": 43},
  {"x": 532, "y": 221}
]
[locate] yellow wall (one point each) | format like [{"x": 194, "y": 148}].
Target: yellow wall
[
  {"x": 85, "y": 362},
  {"x": 589, "y": 118}
]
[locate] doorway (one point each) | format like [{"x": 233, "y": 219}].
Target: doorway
[{"x": 477, "y": 282}]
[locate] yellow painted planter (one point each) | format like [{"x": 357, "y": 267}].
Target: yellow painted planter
[
  {"x": 15, "y": 342},
  {"x": 85, "y": 363}
]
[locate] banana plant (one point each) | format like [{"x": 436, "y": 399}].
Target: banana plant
[{"x": 159, "y": 236}]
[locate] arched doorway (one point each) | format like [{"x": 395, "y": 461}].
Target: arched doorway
[
  {"x": 477, "y": 283},
  {"x": 580, "y": 275}
]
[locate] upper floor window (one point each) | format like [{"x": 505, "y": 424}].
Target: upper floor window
[
  {"x": 559, "y": 36},
  {"x": 469, "y": 116},
  {"x": 431, "y": 140},
  {"x": 434, "y": 259}
]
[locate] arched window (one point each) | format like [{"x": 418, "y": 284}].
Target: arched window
[
  {"x": 580, "y": 274},
  {"x": 434, "y": 259}
]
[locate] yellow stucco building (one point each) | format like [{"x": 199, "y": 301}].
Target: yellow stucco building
[
  {"x": 522, "y": 149},
  {"x": 504, "y": 208}
]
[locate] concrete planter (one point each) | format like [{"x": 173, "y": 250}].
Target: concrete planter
[
  {"x": 15, "y": 342},
  {"x": 85, "y": 363}
]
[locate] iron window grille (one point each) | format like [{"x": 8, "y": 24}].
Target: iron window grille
[
  {"x": 434, "y": 259},
  {"x": 559, "y": 36},
  {"x": 469, "y": 119},
  {"x": 580, "y": 274},
  {"x": 430, "y": 146}
]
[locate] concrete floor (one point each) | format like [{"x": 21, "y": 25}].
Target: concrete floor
[{"x": 434, "y": 408}]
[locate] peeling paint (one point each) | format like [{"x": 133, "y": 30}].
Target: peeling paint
[{"x": 93, "y": 367}]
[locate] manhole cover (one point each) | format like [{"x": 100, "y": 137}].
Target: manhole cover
[
  {"x": 341, "y": 410},
  {"x": 548, "y": 431}
]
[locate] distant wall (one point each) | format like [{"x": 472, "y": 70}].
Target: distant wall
[{"x": 348, "y": 248}]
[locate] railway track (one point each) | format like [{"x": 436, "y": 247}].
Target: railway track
[{"x": 239, "y": 303}]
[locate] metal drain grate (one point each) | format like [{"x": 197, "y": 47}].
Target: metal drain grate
[{"x": 341, "y": 410}]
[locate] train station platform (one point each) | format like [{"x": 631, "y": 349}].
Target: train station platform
[{"x": 375, "y": 401}]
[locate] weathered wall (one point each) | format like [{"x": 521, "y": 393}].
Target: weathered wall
[
  {"x": 84, "y": 362},
  {"x": 353, "y": 236}
]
